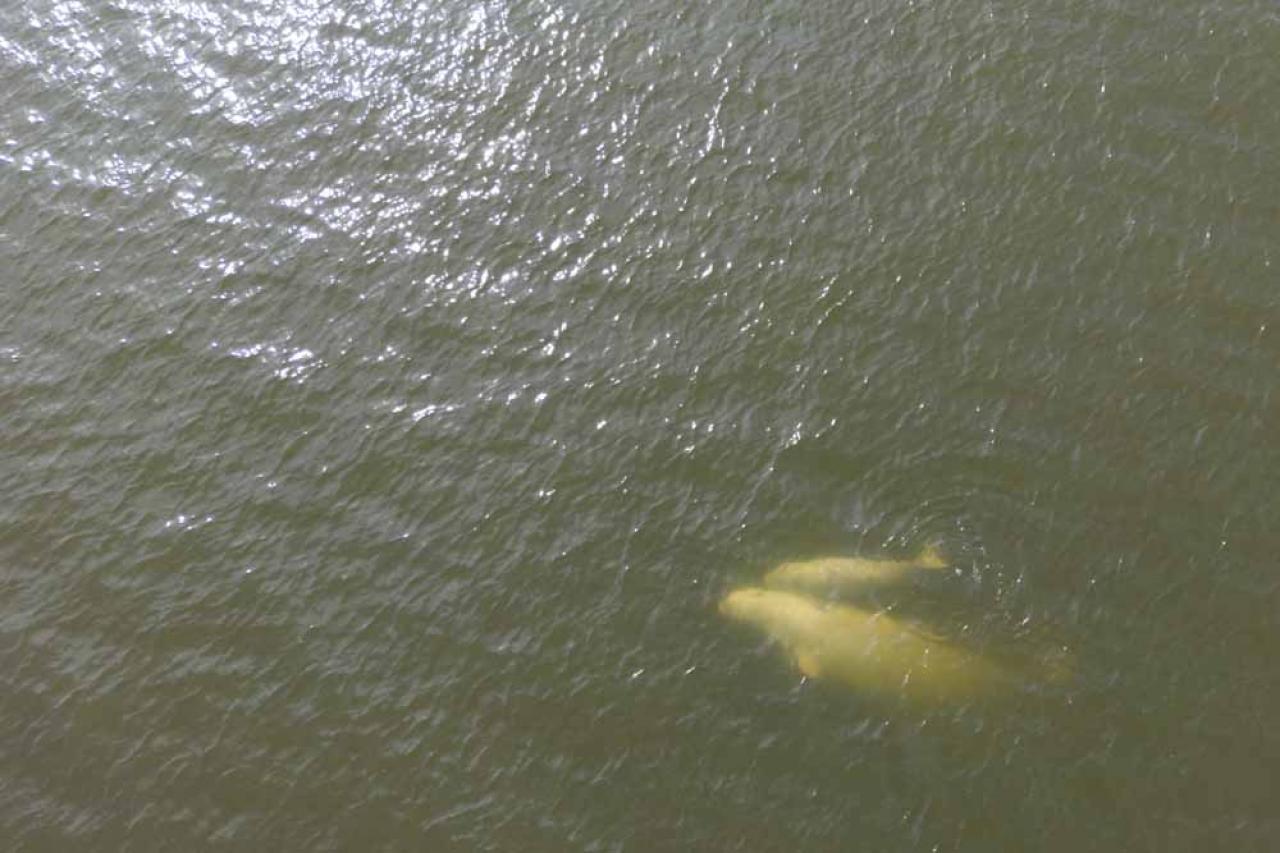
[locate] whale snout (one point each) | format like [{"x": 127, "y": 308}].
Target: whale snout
[{"x": 737, "y": 604}]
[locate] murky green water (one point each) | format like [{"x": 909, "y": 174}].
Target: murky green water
[{"x": 389, "y": 391}]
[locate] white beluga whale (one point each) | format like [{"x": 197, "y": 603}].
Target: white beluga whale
[
  {"x": 864, "y": 646},
  {"x": 842, "y": 574},
  {"x": 868, "y": 650}
]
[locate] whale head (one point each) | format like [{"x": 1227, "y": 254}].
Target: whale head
[
  {"x": 774, "y": 610},
  {"x": 744, "y": 605}
]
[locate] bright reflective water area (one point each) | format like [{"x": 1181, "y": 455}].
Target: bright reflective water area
[{"x": 390, "y": 390}]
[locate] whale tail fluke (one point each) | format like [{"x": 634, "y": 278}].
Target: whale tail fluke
[{"x": 931, "y": 557}]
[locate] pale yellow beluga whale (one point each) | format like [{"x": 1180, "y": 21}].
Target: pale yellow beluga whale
[
  {"x": 868, "y": 650},
  {"x": 837, "y": 574}
]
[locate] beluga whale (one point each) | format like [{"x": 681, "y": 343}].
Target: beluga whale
[
  {"x": 842, "y": 574},
  {"x": 868, "y": 650}
]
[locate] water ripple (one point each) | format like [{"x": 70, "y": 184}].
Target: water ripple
[{"x": 390, "y": 392}]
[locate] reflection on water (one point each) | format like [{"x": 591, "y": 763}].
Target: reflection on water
[{"x": 388, "y": 396}]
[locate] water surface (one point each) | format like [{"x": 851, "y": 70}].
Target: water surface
[{"x": 389, "y": 390}]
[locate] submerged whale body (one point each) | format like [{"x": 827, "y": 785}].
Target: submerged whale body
[
  {"x": 840, "y": 574},
  {"x": 868, "y": 650}
]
